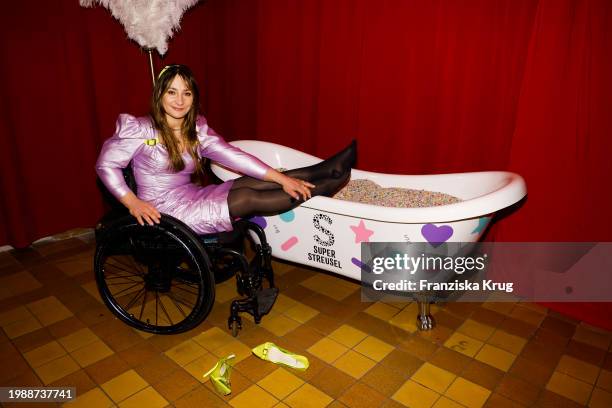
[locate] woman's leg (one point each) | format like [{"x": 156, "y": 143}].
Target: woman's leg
[
  {"x": 247, "y": 202},
  {"x": 334, "y": 167}
]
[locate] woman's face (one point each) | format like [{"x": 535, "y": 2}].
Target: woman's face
[{"x": 178, "y": 99}]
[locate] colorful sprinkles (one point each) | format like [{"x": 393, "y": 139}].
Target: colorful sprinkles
[{"x": 368, "y": 192}]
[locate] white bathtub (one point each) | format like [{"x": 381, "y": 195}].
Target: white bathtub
[{"x": 326, "y": 233}]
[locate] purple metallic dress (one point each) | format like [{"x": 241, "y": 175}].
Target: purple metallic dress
[{"x": 204, "y": 209}]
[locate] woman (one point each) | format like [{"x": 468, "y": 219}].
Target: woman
[{"x": 165, "y": 150}]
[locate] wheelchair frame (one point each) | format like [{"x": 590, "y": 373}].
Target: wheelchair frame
[{"x": 161, "y": 278}]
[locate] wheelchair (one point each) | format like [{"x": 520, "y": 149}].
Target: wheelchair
[{"x": 161, "y": 278}]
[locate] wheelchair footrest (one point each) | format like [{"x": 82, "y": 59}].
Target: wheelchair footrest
[{"x": 265, "y": 300}]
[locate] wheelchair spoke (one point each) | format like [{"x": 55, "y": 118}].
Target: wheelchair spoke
[
  {"x": 166, "y": 313},
  {"x": 124, "y": 277},
  {"x": 156, "y": 306},
  {"x": 182, "y": 302},
  {"x": 118, "y": 293},
  {"x": 135, "y": 298},
  {"x": 185, "y": 290},
  {"x": 125, "y": 270},
  {"x": 144, "y": 301},
  {"x": 123, "y": 259}
]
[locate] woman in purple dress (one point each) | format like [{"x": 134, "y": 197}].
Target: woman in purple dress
[{"x": 165, "y": 150}]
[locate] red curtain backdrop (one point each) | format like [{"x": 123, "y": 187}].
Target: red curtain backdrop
[{"x": 426, "y": 87}]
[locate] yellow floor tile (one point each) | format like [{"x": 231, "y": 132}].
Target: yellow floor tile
[
  {"x": 527, "y": 315},
  {"x": 513, "y": 344},
  {"x": 14, "y": 315},
  {"x": 144, "y": 335},
  {"x": 185, "y": 352},
  {"x": 146, "y": 398},
  {"x": 347, "y": 335},
  {"x": 284, "y": 303},
  {"x": 444, "y": 402},
  {"x": 301, "y": 313},
  {"x": 463, "y": 344},
  {"x": 56, "y": 369},
  {"x": 235, "y": 347},
  {"x": 578, "y": 369},
  {"x": 75, "y": 266},
  {"x": 94, "y": 398},
  {"x": 414, "y": 395},
  {"x": 495, "y": 357},
  {"x": 20, "y": 282},
  {"x": 44, "y": 354},
  {"x": 373, "y": 348},
  {"x": 499, "y": 307},
  {"x": 308, "y": 396},
  {"x": 279, "y": 325},
  {"x": 21, "y": 327},
  {"x": 49, "y": 310},
  {"x": 254, "y": 396},
  {"x": 399, "y": 302},
  {"x": 226, "y": 291},
  {"x": 124, "y": 385},
  {"x": 327, "y": 350},
  {"x": 600, "y": 399},
  {"x": 330, "y": 286},
  {"x": 605, "y": 380},
  {"x": 405, "y": 320},
  {"x": 354, "y": 364},
  {"x": 201, "y": 365},
  {"x": 476, "y": 330},
  {"x": 467, "y": 393},
  {"x": 213, "y": 338},
  {"x": 280, "y": 383},
  {"x": 382, "y": 311},
  {"x": 434, "y": 377},
  {"x": 78, "y": 339},
  {"x": 569, "y": 387},
  {"x": 92, "y": 353},
  {"x": 92, "y": 289}
]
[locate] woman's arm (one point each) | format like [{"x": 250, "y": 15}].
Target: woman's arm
[
  {"x": 116, "y": 154},
  {"x": 217, "y": 149}
]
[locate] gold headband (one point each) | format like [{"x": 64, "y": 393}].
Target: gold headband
[{"x": 165, "y": 69}]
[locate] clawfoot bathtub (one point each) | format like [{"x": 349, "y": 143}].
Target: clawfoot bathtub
[{"x": 326, "y": 233}]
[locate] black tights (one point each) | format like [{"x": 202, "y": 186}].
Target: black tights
[
  {"x": 249, "y": 196},
  {"x": 246, "y": 202}
]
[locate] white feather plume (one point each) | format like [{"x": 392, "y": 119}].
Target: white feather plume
[{"x": 151, "y": 23}]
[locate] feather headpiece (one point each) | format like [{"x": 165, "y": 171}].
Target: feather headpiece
[{"x": 150, "y": 23}]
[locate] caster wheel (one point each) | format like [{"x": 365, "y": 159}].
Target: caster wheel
[{"x": 235, "y": 327}]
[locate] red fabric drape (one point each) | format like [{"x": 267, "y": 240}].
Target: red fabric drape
[{"x": 426, "y": 87}]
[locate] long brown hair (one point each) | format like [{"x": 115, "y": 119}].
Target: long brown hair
[{"x": 188, "y": 128}]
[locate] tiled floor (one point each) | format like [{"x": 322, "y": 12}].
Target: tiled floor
[{"x": 56, "y": 332}]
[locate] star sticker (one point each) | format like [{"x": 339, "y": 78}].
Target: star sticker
[
  {"x": 482, "y": 224},
  {"x": 362, "y": 234}
]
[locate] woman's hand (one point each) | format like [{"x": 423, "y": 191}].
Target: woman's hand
[
  {"x": 143, "y": 211},
  {"x": 296, "y": 187}
]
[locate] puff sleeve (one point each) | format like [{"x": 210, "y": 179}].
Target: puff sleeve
[
  {"x": 217, "y": 149},
  {"x": 117, "y": 152}
]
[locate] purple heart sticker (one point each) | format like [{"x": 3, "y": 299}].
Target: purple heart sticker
[
  {"x": 435, "y": 235},
  {"x": 261, "y": 221}
]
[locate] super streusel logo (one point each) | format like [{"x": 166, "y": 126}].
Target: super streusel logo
[{"x": 323, "y": 253}]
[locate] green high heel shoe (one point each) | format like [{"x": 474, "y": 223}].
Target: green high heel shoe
[
  {"x": 220, "y": 375},
  {"x": 271, "y": 352}
]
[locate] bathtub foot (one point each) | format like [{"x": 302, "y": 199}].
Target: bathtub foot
[{"x": 425, "y": 320}]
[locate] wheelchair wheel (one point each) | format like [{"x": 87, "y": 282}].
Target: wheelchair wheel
[{"x": 155, "y": 278}]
